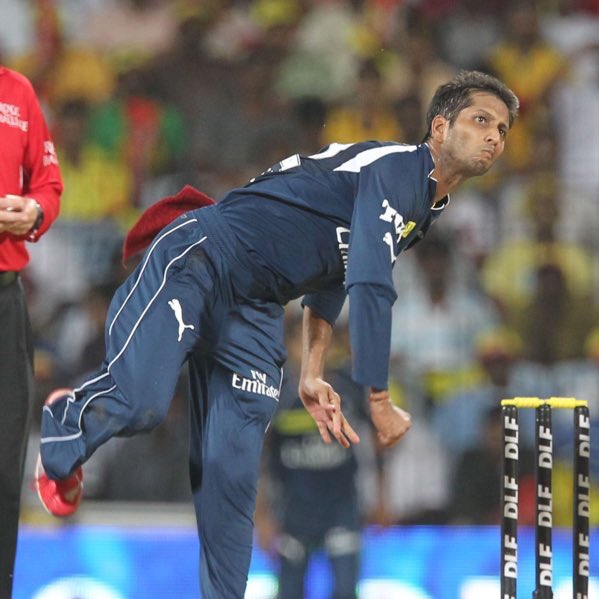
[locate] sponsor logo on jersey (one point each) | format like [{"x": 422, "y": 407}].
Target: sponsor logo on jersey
[
  {"x": 402, "y": 229},
  {"x": 257, "y": 384},
  {"x": 49, "y": 153},
  {"x": 343, "y": 243},
  {"x": 175, "y": 305},
  {"x": 11, "y": 115}
]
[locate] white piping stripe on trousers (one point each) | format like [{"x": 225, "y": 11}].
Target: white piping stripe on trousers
[
  {"x": 153, "y": 298},
  {"x": 147, "y": 257},
  {"x": 277, "y": 400},
  {"x": 53, "y": 439},
  {"x": 135, "y": 326},
  {"x": 141, "y": 272},
  {"x": 280, "y": 384},
  {"x": 69, "y": 401}
]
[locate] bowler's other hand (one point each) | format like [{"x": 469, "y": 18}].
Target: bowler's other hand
[
  {"x": 324, "y": 405},
  {"x": 391, "y": 423}
]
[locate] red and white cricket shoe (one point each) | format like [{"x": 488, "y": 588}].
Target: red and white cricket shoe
[{"x": 59, "y": 497}]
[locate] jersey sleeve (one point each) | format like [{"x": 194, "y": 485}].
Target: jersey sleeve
[
  {"x": 327, "y": 304},
  {"x": 42, "y": 180},
  {"x": 381, "y": 211},
  {"x": 370, "y": 334}
]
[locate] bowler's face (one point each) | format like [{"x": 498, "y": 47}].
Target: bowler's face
[{"x": 477, "y": 137}]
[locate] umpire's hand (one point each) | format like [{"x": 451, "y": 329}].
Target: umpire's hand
[{"x": 17, "y": 214}]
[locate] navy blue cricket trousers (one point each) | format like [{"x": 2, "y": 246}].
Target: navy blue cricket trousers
[{"x": 192, "y": 298}]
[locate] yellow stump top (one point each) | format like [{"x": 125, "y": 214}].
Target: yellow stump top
[{"x": 566, "y": 403}]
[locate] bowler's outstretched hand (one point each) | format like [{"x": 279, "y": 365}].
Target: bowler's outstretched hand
[{"x": 324, "y": 405}]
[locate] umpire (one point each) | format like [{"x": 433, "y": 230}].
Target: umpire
[{"x": 30, "y": 188}]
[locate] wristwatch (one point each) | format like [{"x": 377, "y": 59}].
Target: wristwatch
[{"x": 38, "y": 221}]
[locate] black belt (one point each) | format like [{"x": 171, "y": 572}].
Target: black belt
[{"x": 7, "y": 277}]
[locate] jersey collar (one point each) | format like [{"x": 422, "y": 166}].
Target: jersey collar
[{"x": 443, "y": 202}]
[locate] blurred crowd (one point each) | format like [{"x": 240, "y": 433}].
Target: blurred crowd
[{"x": 500, "y": 300}]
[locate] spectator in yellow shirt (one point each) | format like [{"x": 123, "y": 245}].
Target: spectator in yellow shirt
[
  {"x": 531, "y": 66},
  {"x": 98, "y": 186}
]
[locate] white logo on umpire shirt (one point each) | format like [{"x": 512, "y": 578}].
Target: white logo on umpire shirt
[
  {"x": 175, "y": 304},
  {"x": 257, "y": 384}
]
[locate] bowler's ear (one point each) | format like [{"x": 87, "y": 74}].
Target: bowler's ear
[{"x": 439, "y": 128}]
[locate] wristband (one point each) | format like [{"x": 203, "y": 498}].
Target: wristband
[
  {"x": 376, "y": 396},
  {"x": 38, "y": 221}
]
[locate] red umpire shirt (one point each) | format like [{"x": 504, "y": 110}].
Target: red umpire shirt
[{"x": 28, "y": 163}]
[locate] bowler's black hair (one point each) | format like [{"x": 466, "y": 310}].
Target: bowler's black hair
[{"x": 455, "y": 95}]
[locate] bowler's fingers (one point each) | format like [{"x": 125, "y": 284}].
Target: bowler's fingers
[
  {"x": 323, "y": 419},
  {"x": 324, "y": 432},
  {"x": 334, "y": 414},
  {"x": 338, "y": 424},
  {"x": 349, "y": 432}
]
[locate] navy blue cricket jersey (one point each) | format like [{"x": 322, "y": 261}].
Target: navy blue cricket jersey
[{"x": 334, "y": 223}]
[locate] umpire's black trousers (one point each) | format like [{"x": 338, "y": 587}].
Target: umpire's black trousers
[{"x": 16, "y": 392}]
